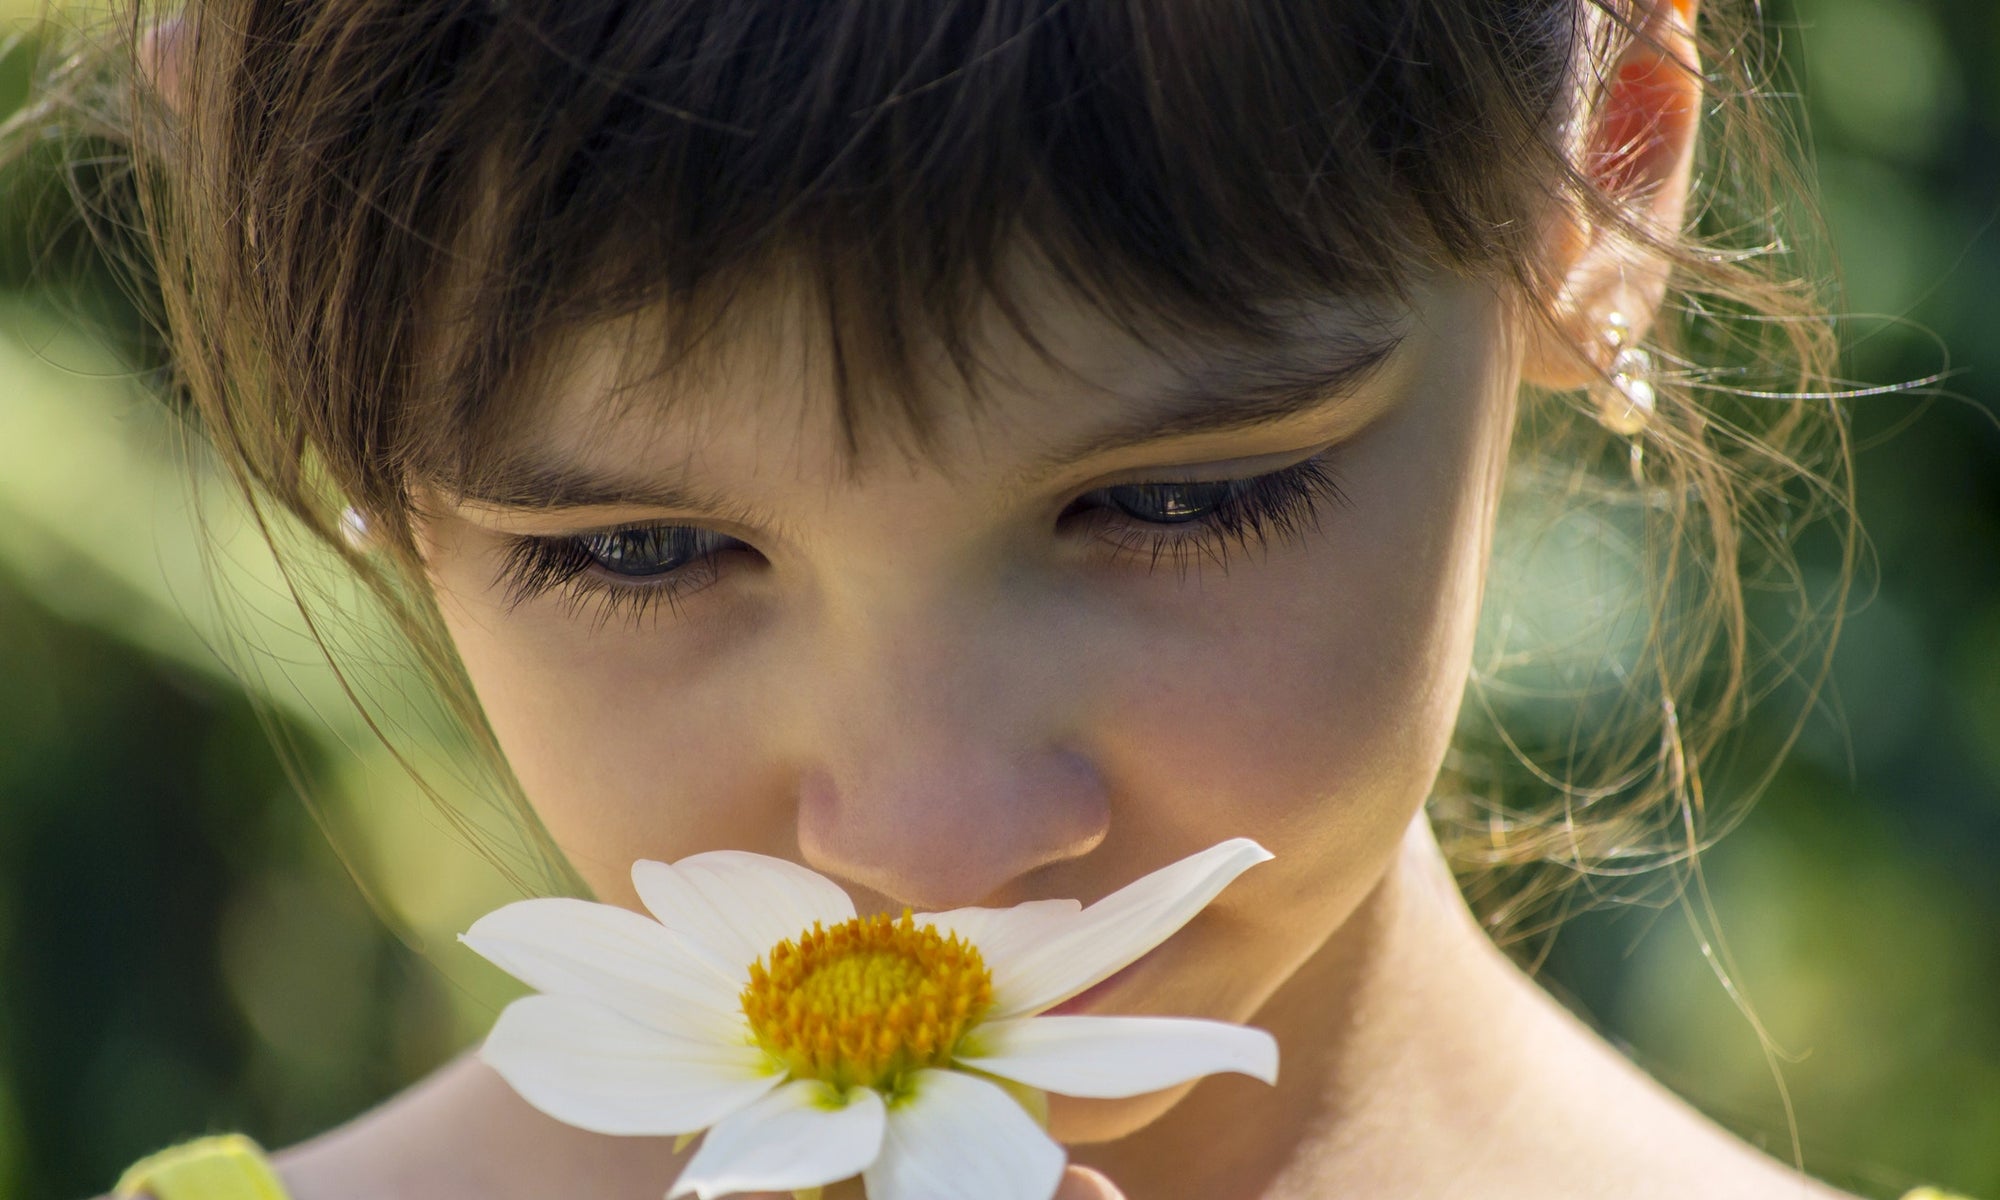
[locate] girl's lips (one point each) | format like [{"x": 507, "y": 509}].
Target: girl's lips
[{"x": 1096, "y": 991}]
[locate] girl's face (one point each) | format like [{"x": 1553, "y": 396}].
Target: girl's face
[{"x": 1039, "y": 666}]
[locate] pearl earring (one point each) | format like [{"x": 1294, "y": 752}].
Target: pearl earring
[
  {"x": 1625, "y": 402},
  {"x": 354, "y": 529}
]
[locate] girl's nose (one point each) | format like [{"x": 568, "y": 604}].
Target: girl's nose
[
  {"x": 945, "y": 768},
  {"x": 935, "y": 829}
]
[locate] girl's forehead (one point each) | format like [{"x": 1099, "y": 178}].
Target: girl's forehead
[{"x": 1072, "y": 382}]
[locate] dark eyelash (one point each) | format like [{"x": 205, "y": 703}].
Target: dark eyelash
[
  {"x": 1243, "y": 514},
  {"x": 1251, "y": 513},
  {"x": 537, "y": 566}
]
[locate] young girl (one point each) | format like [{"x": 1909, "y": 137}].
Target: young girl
[{"x": 987, "y": 451}]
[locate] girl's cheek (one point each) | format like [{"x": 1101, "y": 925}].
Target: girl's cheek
[
  {"x": 1314, "y": 710},
  {"x": 621, "y": 760},
  {"x": 1322, "y": 688},
  {"x": 553, "y": 711},
  {"x": 1312, "y": 714}
]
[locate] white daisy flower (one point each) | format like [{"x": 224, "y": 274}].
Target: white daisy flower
[{"x": 814, "y": 1045}]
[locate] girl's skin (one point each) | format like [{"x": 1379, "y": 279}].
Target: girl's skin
[{"x": 954, "y": 680}]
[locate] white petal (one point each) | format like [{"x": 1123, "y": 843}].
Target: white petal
[
  {"x": 1004, "y": 933},
  {"x": 1099, "y": 941},
  {"x": 587, "y": 1066},
  {"x": 1110, "y": 1058},
  {"x": 737, "y": 905},
  {"x": 619, "y": 958},
  {"x": 800, "y": 1136},
  {"x": 960, "y": 1138}
]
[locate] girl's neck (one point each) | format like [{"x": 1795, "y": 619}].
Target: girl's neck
[
  {"x": 1401, "y": 1034},
  {"x": 1421, "y": 1062}
]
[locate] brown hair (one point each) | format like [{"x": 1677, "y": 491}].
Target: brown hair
[{"x": 367, "y": 218}]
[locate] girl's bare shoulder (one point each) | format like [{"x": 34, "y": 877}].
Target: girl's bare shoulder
[{"x": 460, "y": 1134}]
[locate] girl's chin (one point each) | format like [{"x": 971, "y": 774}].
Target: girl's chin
[
  {"x": 1102, "y": 999},
  {"x": 1076, "y": 1121},
  {"x": 1089, "y": 1001}
]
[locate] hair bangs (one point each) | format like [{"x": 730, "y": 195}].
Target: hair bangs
[{"x": 1181, "y": 166}]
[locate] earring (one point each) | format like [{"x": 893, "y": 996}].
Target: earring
[
  {"x": 1625, "y": 401},
  {"x": 355, "y": 530}
]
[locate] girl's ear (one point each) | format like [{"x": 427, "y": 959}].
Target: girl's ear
[
  {"x": 162, "y": 57},
  {"x": 1639, "y": 154}
]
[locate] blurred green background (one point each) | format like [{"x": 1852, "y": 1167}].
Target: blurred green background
[{"x": 182, "y": 948}]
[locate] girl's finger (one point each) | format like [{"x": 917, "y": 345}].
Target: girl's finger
[
  {"x": 1078, "y": 1183},
  {"x": 1083, "y": 1183}
]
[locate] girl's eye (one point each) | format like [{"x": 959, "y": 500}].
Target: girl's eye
[
  {"x": 1170, "y": 503},
  {"x": 639, "y": 553},
  {"x": 632, "y": 569},
  {"x": 662, "y": 564},
  {"x": 1187, "y": 522}
]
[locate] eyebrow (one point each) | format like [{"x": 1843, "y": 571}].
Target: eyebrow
[
  {"x": 1223, "y": 399},
  {"x": 1233, "y": 398}
]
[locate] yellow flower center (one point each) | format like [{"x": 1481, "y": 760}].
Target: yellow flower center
[{"x": 867, "y": 1000}]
